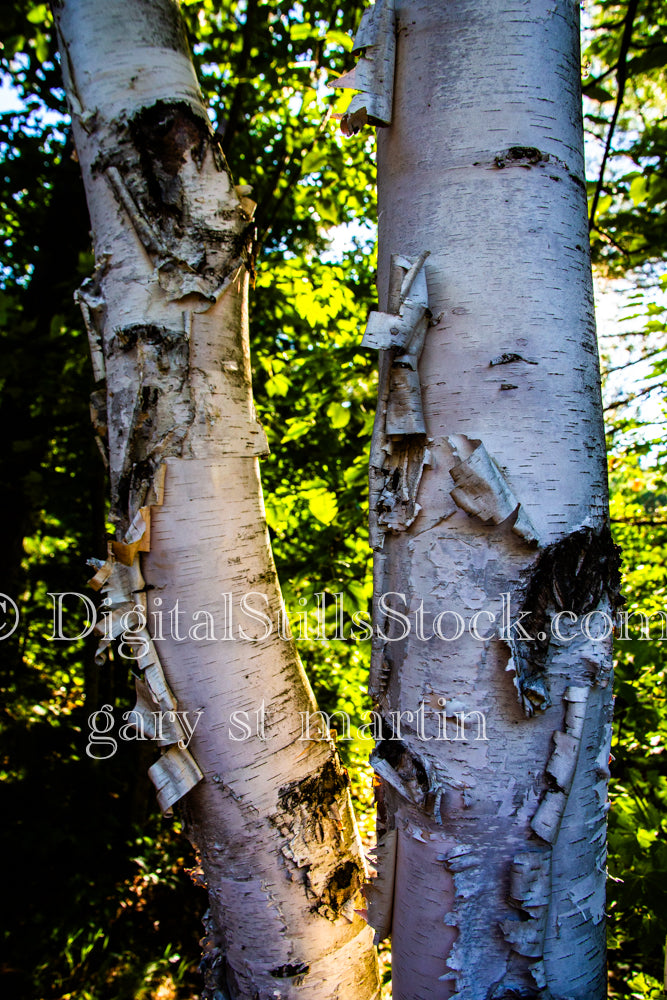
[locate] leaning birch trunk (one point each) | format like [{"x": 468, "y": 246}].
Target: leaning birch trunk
[
  {"x": 167, "y": 317},
  {"x": 487, "y": 479}
]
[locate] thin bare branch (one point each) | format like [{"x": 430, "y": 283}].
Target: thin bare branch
[{"x": 621, "y": 77}]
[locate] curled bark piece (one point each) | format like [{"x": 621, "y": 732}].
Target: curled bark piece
[
  {"x": 103, "y": 569},
  {"x": 562, "y": 765},
  {"x": 174, "y": 775},
  {"x": 563, "y": 761},
  {"x": 123, "y": 586},
  {"x": 482, "y": 490},
  {"x": 374, "y": 73},
  {"x": 156, "y": 724},
  {"x": 136, "y": 538},
  {"x": 530, "y": 890},
  {"x": 159, "y": 689},
  {"x": 546, "y": 821},
  {"x": 121, "y": 590},
  {"x": 387, "y": 330}
]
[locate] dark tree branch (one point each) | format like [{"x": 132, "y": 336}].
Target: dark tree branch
[
  {"x": 227, "y": 129},
  {"x": 638, "y": 521},
  {"x": 635, "y": 361},
  {"x": 631, "y": 399},
  {"x": 293, "y": 173},
  {"x": 610, "y": 239},
  {"x": 621, "y": 77}
]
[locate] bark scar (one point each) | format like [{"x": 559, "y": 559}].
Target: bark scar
[
  {"x": 573, "y": 574},
  {"x": 157, "y": 174},
  {"x": 309, "y": 817}
]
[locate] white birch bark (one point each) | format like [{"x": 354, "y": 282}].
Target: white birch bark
[
  {"x": 167, "y": 316},
  {"x": 492, "y": 852}
]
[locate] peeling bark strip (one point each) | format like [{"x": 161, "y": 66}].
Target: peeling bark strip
[
  {"x": 499, "y": 891},
  {"x": 374, "y": 73},
  {"x": 561, "y": 767},
  {"x": 398, "y": 448},
  {"x": 399, "y": 452},
  {"x": 379, "y": 891},
  {"x": 167, "y": 314}
]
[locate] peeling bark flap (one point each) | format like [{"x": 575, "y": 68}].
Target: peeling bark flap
[
  {"x": 173, "y": 775},
  {"x": 386, "y": 330},
  {"x": 561, "y": 766},
  {"x": 124, "y": 590},
  {"x": 482, "y": 490},
  {"x": 374, "y": 73},
  {"x": 530, "y": 890}
]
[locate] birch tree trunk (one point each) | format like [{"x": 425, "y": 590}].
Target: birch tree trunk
[
  {"x": 167, "y": 318},
  {"x": 488, "y": 501}
]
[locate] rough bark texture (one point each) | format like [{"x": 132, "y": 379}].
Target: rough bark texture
[
  {"x": 491, "y": 851},
  {"x": 167, "y": 317}
]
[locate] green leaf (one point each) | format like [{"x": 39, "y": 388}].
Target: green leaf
[
  {"x": 340, "y": 38},
  {"x": 338, "y": 415},
  {"x": 297, "y": 427},
  {"x": 596, "y": 92},
  {"x": 38, "y": 14},
  {"x": 301, "y": 31},
  {"x": 41, "y": 46},
  {"x": 278, "y": 385},
  {"x": 638, "y": 189},
  {"x": 323, "y": 506}
]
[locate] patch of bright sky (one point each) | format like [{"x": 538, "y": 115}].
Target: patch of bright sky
[
  {"x": 617, "y": 314},
  {"x": 10, "y": 99}
]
